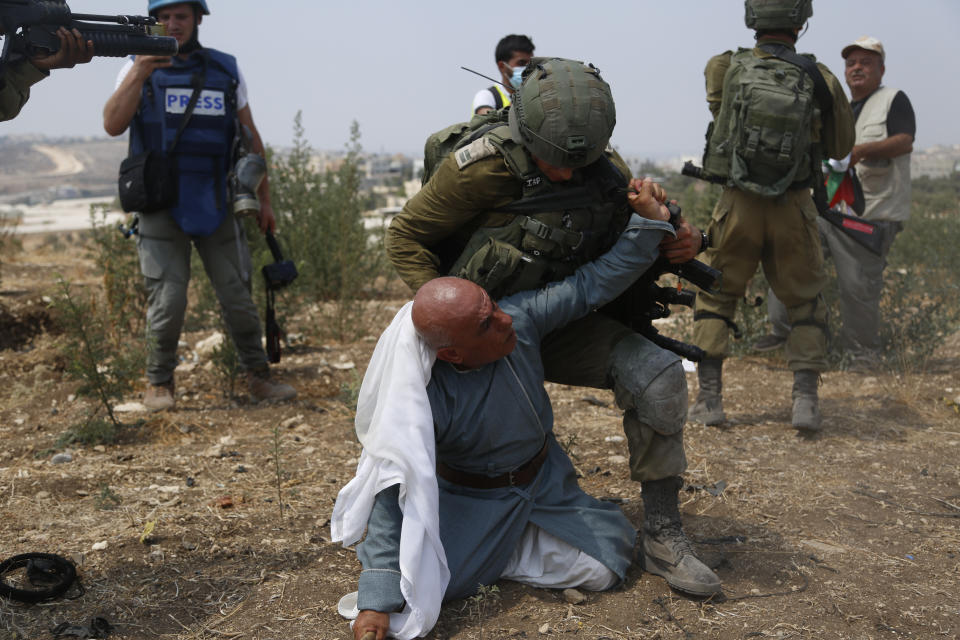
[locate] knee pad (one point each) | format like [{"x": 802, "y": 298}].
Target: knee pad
[{"x": 650, "y": 381}]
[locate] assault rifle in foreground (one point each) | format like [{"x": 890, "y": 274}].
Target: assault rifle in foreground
[
  {"x": 30, "y": 29},
  {"x": 646, "y": 301},
  {"x": 861, "y": 231}
]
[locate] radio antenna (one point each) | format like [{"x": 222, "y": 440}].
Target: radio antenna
[{"x": 487, "y": 77}]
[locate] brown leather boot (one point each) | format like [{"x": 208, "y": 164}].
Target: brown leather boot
[
  {"x": 159, "y": 397},
  {"x": 261, "y": 387}
]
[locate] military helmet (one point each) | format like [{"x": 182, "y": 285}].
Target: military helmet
[
  {"x": 563, "y": 113},
  {"x": 777, "y": 14},
  {"x": 153, "y": 5}
]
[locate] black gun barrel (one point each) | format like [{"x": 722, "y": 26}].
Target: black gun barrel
[
  {"x": 700, "y": 274},
  {"x": 119, "y": 19},
  {"x": 691, "y": 352},
  {"x": 693, "y": 171},
  {"x": 117, "y": 41}
]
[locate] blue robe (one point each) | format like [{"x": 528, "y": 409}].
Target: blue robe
[{"x": 491, "y": 421}]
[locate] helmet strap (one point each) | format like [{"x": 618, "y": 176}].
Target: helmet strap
[{"x": 193, "y": 43}]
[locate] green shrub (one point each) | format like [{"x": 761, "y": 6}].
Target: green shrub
[
  {"x": 320, "y": 219},
  {"x": 101, "y": 356},
  {"x": 8, "y": 241},
  {"x": 118, "y": 263},
  {"x": 226, "y": 363}
]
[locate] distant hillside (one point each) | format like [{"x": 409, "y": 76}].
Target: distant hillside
[{"x": 33, "y": 168}]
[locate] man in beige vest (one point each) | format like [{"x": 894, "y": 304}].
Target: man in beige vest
[{"x": 885, "y": 126}]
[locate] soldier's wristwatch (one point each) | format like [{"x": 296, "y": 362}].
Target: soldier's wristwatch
[{"x": 704, "y": 241}]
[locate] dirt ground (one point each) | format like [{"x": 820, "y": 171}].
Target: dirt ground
[{"x": 853, "y": 534}]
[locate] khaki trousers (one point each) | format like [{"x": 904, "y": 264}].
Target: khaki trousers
[{"x": 781, "y": 235}]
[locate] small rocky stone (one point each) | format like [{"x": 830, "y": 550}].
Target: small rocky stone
[
  {"x": 343, "y": 366},
  {"x": 61, "y": 458},
  {"x": 240, "y": 469},
  {"x": 544, "y": 628},
  {"x": 616, "y": 459},
  {"x": 573, "y": 596},
  {"x": 189, "y": 545},
  {"x": 42, "y": 494},
  {"x": 130, "y": 407},
  {"x": 205, "y": 347},
  {"x": 170, "y": 488},
  {"x": 190, "y": 481},
  {"x": 613, "y": 439},
  {"x": 99, "y": 546},
  {"x": 214, "y": 451},
  {"x": 100, "y": 448},
  {"x": 290, "y": 423}
]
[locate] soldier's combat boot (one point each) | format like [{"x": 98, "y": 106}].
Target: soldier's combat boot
[
  {"x": 806, "y": 405},
  {"x": 666, "y": 550},
  {"x": 261, "y": 387},
  {"x": 708, "y": 408}
]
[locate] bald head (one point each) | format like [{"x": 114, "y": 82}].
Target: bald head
[
  {"x": 458, "y": 319},
  {"x": 438, "y": 308}
]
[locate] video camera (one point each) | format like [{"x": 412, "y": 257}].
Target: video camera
[{"x": 30, "y": 29}]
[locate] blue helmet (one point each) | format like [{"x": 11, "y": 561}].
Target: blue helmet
[{"x": 153, "y": 5}]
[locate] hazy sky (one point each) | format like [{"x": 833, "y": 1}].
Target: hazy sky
[{"x": 394, "y": 66}]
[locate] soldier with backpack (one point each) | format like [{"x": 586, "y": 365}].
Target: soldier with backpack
[
  {"x": 526, "y": 196},
  {"x": 776, "y": 115}
]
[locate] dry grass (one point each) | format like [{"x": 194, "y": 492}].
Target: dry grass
[{"x": 853, "y": 534}]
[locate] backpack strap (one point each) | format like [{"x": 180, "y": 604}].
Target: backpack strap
[
  {"x": 517, "y": 160},
  {"x": 820, "y": 89},
  {"x": 497, "y": 98}
]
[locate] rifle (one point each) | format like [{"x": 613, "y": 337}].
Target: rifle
[
  {"x": 30, "y": 29},
  {"x": 646, "y": 301},
  {"x": 276, "y": 276},
  {"x": 861, "y": 231}
]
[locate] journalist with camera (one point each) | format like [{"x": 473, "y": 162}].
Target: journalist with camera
[{"x": 190, "y": 123}]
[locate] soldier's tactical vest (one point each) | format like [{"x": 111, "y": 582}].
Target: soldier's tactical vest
[
  {"x": 886, "y": 182},
  {"x": 550, "y": 231},
  {"x": 203, "y": 153}
]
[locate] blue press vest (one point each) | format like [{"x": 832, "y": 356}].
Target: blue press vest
[{"x": 203, "y": 153}]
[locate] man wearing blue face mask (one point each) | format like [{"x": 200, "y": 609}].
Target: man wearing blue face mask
[{"x": 513, "y": 53}]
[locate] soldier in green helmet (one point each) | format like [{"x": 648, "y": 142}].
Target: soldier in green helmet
[
  {"x": 522, "y": 203},
  {"x": 776, "y": 115}
]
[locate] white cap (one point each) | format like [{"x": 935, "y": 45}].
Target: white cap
[{"x": 865, "y": 42}]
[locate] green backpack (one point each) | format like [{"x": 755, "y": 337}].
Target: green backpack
[
  {"x": 440, "y": 144},
  {"x": 761, "y": 138}
]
